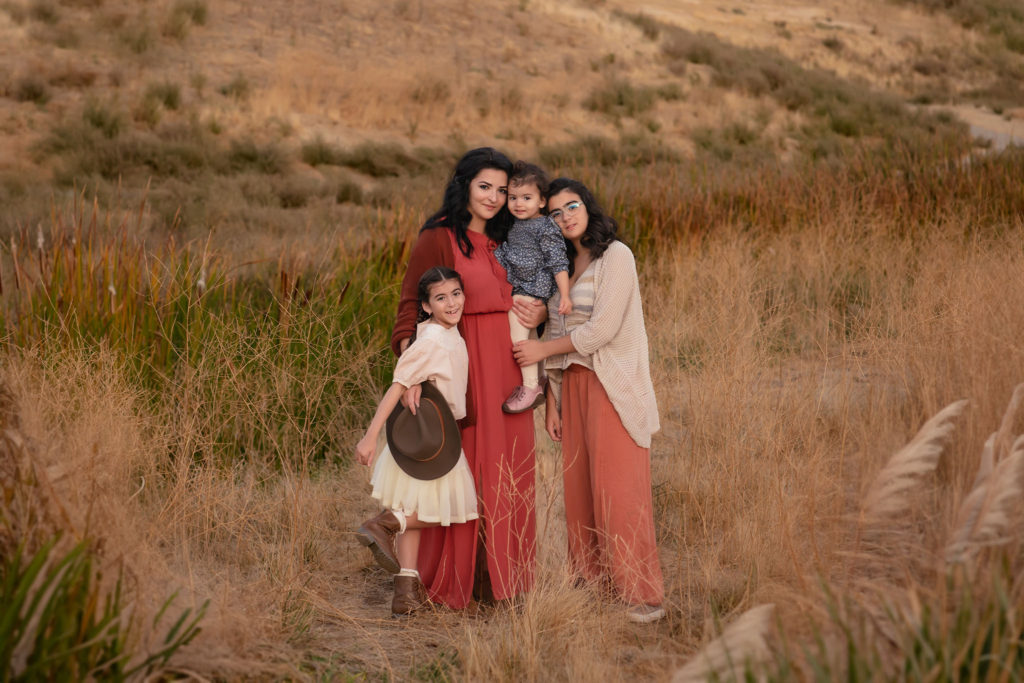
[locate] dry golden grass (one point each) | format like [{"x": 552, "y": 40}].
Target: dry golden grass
[{"x": 789, "y": 368}]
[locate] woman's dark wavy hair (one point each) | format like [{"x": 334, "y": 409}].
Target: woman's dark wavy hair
[
  {"x": 431, "y": 277},
  {"x": 602, "y": 229},
  {"x": 454, "y": 212}
]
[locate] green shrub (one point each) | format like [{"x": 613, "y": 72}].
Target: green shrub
[
  {"x": 245, "y": 155},
  {"x": 670, "y": 92},
  {"x": 103, "y": 117},
  {"x": 183, "y": 14},
  {"x": 431, "y": 91},
  {"x": 619, "y": 97},
  {"x": 381, "y": 160},
  {"x": 833, "y": 43},
  {"x": 73, "y": 77},
  {"x": 696, "y": 48},
  {"x": 238, "y": 87},
  {"x": 601, "y": 151},
  {"x": 649, "y": 26},
  {"x": 44, "y": 11},
  {"x": 137, "y": 36},
  {"x": 166, "y": 93},
  {"x": 147, "y": 112},
  {"x": 58, "y": 623},
  {"x": 348, "y": 192},
  {"x": 195, "y": 10},
  {"x": 31, "y": 89},
  {"x": 175, "y": 27},
  {"x": 295, "y": 192},
  {"x": 318, "y": 152},
  {"x": 714, "y": 142}
]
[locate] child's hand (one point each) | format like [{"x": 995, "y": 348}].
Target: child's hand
[
  {"x": 364, "y": 450},
  {"x": 411, "y": 398},
  {"x": 565, "y": 306},
  {"x": 528, "y": 352}
]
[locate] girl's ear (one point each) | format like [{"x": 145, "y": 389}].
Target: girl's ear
[{"x": 426, "y": 308}]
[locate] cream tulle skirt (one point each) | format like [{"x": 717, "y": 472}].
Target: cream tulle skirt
[{"x": 450, "y": 499}]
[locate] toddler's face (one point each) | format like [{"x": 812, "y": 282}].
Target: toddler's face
[{"x": 525, "y": 201}]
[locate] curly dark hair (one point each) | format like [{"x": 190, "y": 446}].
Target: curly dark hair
[
  {"x": 431, "y": 277},
  {"x": 601, "y": 230},
  {"x": 454, "y": 212},
  {"x": 525, "y": 173}
]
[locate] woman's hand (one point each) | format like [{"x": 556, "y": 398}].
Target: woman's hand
[
  {"x": 365, "y": 448},
  {"x": 531, "y": 312},
  {"x": 528, "y": 352},
  {"x": 552, "y": 419},
  {"x": 411, "y": 398}
]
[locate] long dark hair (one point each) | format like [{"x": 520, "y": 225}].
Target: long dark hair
[
  {"x": 454, "y": 212},
  {"x": 431, "y": 277},
  {"x": 602, "y": 229}
]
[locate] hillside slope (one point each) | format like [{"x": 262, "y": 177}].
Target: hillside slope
[{"x": 202, "y": 98}]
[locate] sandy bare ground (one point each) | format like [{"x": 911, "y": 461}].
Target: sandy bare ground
[{"x": 997, "y": 130}]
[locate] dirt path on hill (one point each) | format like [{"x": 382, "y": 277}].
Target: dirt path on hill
[{"x": 998, "y": 130}]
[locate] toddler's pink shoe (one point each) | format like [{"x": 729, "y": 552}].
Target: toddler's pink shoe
[{"x": 523, "y": 398}]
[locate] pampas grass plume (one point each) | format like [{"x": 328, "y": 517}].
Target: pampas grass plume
[
  {"x": 984, "y": 517},
  {"x": 887, "y": 496},
  {"x": 743, "y": 643}
]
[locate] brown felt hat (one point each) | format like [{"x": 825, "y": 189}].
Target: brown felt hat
[{"x": 426, "y": 445}]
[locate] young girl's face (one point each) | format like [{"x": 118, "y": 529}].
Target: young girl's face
[
  {"x": 569, "y": 213},
  {"x": 525, "y": 201},
  {"x": 445, "y": 302}
]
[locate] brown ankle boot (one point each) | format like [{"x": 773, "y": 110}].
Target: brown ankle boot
[
  {"x": 409, "y": 596},
  {"x": 378, "y": 534}
]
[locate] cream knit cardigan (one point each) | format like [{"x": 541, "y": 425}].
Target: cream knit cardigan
[{"x": 616, "y": 340}]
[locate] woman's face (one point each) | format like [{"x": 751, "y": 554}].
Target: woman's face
[
  {"x": 569, "y": 213},
  {"x": 487, "y": 192}
]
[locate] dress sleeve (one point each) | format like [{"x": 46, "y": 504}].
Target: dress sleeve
[
  {"x": 431, "y": 248},
  {"x": 552, "y": 245},
  {"x": 417, "y": 363},
  {"x": 612, "y": 296}
]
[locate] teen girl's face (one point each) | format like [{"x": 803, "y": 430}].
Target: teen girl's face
[
  {"x": 569, "y": 213},
  {"x": 445, "y": 302},
  {"x": 525, "y": 201},
  {"x": 487, "y": 192}
]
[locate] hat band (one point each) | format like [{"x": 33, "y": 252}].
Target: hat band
[{"x": 440, "y": 422}]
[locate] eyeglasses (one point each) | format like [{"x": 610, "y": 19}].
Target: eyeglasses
[{"x": 570, "y": 209}]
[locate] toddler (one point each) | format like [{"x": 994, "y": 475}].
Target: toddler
[{"x": 534, "y": 258}]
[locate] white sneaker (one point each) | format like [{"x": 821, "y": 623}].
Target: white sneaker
[{"x": 645, "y": 614}]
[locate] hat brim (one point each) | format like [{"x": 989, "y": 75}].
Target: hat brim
[{"x": 434, "y": 407}]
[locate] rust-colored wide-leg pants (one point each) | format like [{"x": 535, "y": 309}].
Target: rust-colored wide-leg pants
[{"x": 608, "y": 507}]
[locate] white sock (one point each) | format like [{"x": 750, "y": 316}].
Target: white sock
[
  {"x": 408, "y": 572},
  {"x": 400, "y": 516}
]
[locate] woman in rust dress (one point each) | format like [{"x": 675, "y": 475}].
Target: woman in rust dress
[{"x": 496, "y": 553}]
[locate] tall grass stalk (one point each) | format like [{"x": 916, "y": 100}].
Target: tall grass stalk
[{"x": 802, "y": 329}]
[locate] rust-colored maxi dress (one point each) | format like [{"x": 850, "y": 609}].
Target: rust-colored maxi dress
[{"x": 499, "y": 447}]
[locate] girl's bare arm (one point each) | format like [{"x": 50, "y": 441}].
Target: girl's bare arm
[{"x": 368, "y": 444}]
